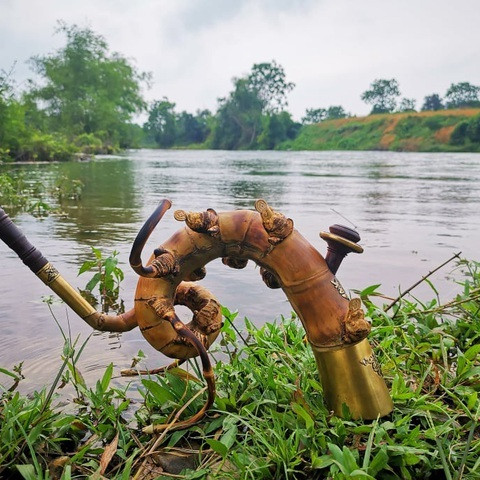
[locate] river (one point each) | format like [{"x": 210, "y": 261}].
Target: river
[{"x": 412, "y": 210}]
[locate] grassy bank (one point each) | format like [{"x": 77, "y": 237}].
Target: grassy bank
[
  {"x": 269, "y": 420},
  {"x": 445, "y": 130}
]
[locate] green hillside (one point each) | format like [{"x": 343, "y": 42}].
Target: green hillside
[{"x": 444, "y": 130}]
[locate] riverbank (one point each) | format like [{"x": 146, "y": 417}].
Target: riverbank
[
  {"x": 432, "y": 131},
  {"x": 269, "y": 420}
]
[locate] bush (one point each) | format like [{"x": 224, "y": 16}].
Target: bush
[
  {"x": 473, "y": 130},
  {"x": 434, "y": 123},
  {"x": 408, "y": 127},
  {"x": 89, "y": 143},
  {"x": 459, "y": 134}
]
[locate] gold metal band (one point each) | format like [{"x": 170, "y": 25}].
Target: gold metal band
[
  {"x": 352, "y": 376},
  {"x": 50, "y": 276}
]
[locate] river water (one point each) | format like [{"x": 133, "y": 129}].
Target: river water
[{"x": 412, "y": 210}]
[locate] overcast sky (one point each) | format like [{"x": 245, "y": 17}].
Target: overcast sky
[{"x": 331, "y": 49}]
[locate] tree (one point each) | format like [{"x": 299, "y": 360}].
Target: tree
[
  {"x": 161, "y": 123},
  {"x": 407, "y": 105},
  {"x": 12, "y": 117},
  {"x": 85, "y": 88},
  {"x": 192, "y": 128},
  {"x": 473, "y": 130},
  {"x": 317, "y": 115},
  {"x": 277, "y": 128},
  {"x": 242, "y": 116},
  {"x": 239, "y": 118},
  {"x": 382, "y": 95},
  {"x": 461, "y": 95},
  {"x": 459, "y": 134},
  {"x": 268, "y": 81},
  {"x": 334, "y": 112},
  {"x": 314, "y": 115},
  {"x": 432, "y": 102}
]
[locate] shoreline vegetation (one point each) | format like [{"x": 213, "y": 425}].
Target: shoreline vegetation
[
  {"x": 83, "y": 99},
  {"x": 269, "y": 420},
  {"x": 433, "y": 131}
]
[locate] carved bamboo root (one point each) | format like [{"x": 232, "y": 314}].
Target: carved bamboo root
[
  {"x": 332, "y": 322},
  {"x": 206, "y": 320},
  {"x": 207, "y": 372}
]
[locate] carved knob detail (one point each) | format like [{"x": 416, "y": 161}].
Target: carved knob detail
[{"x": 341, "y": 241}]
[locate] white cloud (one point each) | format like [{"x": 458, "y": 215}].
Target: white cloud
[{"x": 331, "y": 49}]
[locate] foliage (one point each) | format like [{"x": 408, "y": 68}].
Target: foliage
[
  {"x": 45, "y": 147},
  {"x": 67, "y": 189},
  {"x": 277, "y": 128},
  {"x": 19, "y": 195},
  {"x": 268, "y": 82},
  {"x": 12, "y": 119},
  {"x": 255, "y": 103},
  {"x": 107, "y": 278},
  {"x": 334, "y": 112},
  {"x": 459, "y": 134},
  {"x": 269, "y": 420},
  {"x": 382, "y": 95},
  {"x": 161, "y": 123},
  {"x": 168, "y": 128},
  {"x": 317, "y": 115},
  {"x": 89, "y": 143},
  {"x": 314, "y": 115},
  {"x": 424, "y": 131},
  {"x": 239, "y": 119},
  {"x": 86, "y": 89},
  {"x": 407, "y": 105},
  {"x": 432, "y": 102},
  {"x": 192, "y": 129},
  {"x": 462, "y": 95},
  {"x": 473, "y": 130}
]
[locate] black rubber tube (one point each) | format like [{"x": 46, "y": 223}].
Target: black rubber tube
[{"x": 17, "y": 241}]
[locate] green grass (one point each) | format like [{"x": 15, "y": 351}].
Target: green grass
[
  {"x": 423, "y": 131},
  {"x": 269, "y": 420}
]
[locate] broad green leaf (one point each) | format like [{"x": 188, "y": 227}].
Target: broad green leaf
[
  {"x": 360, "y": 474},
  {"x": 218, "y": 447},
  {"x": 93, "y": 282},
  {"x": 7, "y": 372},
  {"x": 369, "y": 290},
  {"x": 472, "y": 352},
  {"x": 107, "y": 376},
  {"x": 229, "y": 437},
  {"x": 322, "y": 462},
  {"x": 27, "y": 471},
  {"x": 88, "y": 265},
  {"x": 304, "y": 415},
  {"x": 161, "y": 394},
  {"x": 379, "y": 462}
]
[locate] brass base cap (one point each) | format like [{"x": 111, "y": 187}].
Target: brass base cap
[{"x": 352, "y": 376}]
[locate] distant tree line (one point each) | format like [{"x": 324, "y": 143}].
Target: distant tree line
[
  {"x": 86, "y": 98},
  {"x": 383, "y": 95},
  {"x": 252, "y": 116}
]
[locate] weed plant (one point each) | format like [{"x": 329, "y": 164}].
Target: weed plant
[
  {"x": 269, "y": 420},
  {"x": 107, "y": 278},
  {"x": 19, "y": 194}
]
